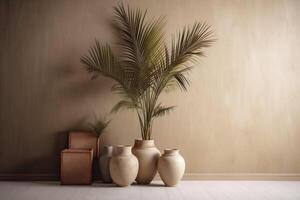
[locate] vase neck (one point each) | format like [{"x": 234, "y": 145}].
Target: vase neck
[
  {"x": 122, "y": 150},
  {"x": 144, "y": 143},
  {"x": 108, "y": 149},
  {"x": 171, "y": 152}
]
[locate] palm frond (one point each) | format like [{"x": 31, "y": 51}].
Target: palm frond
[
  {"x": 185, "y": 50},
  {"x": 161, "y": 110},
  {"x": 191, "y": 42},
  {"x": 99, "y": 126},
  {"x": 101, "y": 60},
  {"x": 123, "y": 104},
  {"x": 140, "y": 42}
]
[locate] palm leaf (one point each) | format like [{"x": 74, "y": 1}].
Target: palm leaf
[
  {"x": 191, "y": 42},
  {"x": 185, "y": 50},
  {"x": 161, "y": 110},
  {"x": 99, "y": 126},
  {"x": 101, "y": 60},
  {"x": 123, "y": 104},
  {"x": 140, "y": 43}
]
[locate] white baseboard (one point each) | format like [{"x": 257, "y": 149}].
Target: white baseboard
[
  {"x": 187, "y": 176},
  {"x": 240, "y": 176}
]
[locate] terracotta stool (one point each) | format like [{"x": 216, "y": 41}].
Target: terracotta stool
[
  {"x": 76, "y": 166},
  {"x": 84, "y": 140}
]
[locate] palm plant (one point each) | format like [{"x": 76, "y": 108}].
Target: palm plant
[
  {"x": 146, "y": 66},
  {"x": 99, "y": 126}
]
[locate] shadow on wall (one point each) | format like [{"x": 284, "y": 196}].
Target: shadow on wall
[
  {"x": 73, "y": 85},
  {"x": 72, "y": 81},
  {"x": 68, "y": 107},
  {"x": 51, "y": 95},
  {"x": 47, "y": 160}
]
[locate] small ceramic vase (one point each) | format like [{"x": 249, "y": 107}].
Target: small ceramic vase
[
  {"x": 171, "y": 166},
  {"x": 147, "y": 155},
  {"x": 104, "y": 163},
  {"x": 123, "y": 166}
]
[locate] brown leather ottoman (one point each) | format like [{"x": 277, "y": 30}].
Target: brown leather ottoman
[
  {"x": 84, "y": 140},
  {"x": 76, "y": 166}
]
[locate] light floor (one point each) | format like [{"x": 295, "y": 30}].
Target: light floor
[{"x": 187, "y": 190}]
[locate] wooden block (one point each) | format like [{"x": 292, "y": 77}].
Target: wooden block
[
  {"x": 84, "y": 140},
  {"x": 76, "y": 166}
]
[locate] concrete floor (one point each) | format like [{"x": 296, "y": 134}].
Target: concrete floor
[{"x": 189, "y": 190}]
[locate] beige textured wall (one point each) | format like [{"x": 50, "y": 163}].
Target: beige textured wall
[{"x": 241, "y": 114}]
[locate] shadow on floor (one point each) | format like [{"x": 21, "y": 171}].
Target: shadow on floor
[
  {"x": 150, "y": 185},
  {"x": 95, "y": 184}
]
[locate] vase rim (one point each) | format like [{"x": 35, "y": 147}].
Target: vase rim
[
  {"x": 171, "y": 151},
  {"x": 122, "y": 150},
  {"x": 140, "y": 139},
  {"x": 123, "y": 146},
  {"x": 108, "y": 149},
  {"x": 144, "y": 143}
]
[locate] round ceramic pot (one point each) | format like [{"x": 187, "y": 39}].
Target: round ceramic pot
[
  {"x": 147, "y": 155},
  {"x": 104, "y": 163},
  {"x": 171, "y": 166},
  {"x": 123, "y": 166}
]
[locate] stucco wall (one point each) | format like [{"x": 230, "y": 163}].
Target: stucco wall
[{"x": 240, "y": 115}]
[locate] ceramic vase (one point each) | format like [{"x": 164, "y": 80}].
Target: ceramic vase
[
  {"x": 123, "y": 166},
  {"x": 171, "y": 166},
  {"x": 147, "y": 155},
  {"x": 104, "y": 163}
]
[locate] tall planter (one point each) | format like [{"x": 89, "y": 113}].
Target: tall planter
[
  {"x": 147, "y": 155},
  {"x": 123, "y": 166}
]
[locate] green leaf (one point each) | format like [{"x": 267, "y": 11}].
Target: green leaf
[
  {"x": 123, "y": 104},
  {"x": 101, "y": 60},
  {"x": 161, "y": 111},
  {"x": 99, "y": 126}
]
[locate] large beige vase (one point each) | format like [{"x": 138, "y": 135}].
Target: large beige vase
[
  {"x": 147, "y": 155},
  {"x": 123, "y": 166},
  {"x": 171, "y": 166}
]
